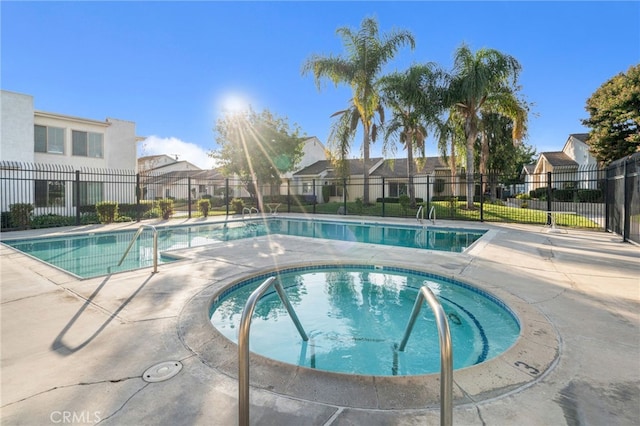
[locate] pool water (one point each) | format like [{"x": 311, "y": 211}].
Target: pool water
[
  {"x": 92, "y": 255},
  {"x": 355, "y": 317}
]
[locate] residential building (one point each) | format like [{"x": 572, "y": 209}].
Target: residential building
[
  {"x": 574, "y": 162},
  {"x": 389, "y": 177},
  {"x": 50, "y": 147}
]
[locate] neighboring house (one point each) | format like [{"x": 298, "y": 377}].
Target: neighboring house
[
  {"x": 166, "y": 176},
  {"x": 310, "y": 180},
  {"x": 526, "y": 175},
  {"x": 163, "y": 176},
  {"x": 41, "y": 144},
  {"x": 574, "y": 162},
  {"x": 393, "y": 172}
]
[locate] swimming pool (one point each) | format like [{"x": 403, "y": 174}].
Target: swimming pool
[
  {"x": 95, "y": 254},
  {"x": 356, "y": 315}
]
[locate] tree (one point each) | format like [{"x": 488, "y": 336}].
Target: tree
[
  {"x": 258, "y": 148},
  {"x": 366, "y": 53},
  {"x": 414, "y": 101},
  {"x": 503, "y": 157},
  {"x": 480, "y": 81},
  {"x": 614, "y": 117}
]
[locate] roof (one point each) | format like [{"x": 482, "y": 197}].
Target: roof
[
  {"x": 582, "y": 137},
  {"x": 528, "y": 168},
  {"x": 355, "y": 167},
  {"x": 398, "y": 167},
  {"x": 558, "y": 159},
  {"x": 175, "y": 175}
]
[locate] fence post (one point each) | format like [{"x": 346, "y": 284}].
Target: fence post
[
  {"x": 428, "y": 204},
  {"x": 383, "y": 196},
  {"x": 626, "y": 208},
  {"x": 549, "y": 195},
  {"x": 138, "y": 196},
  {"x": 189, "y": 196},
  {"x": 313, "y": 183},
  {"x": 481, "y": 197},
  {"x": 344, "y": 195},
  {"x": 77, "y": 191},
  {"x": 226, "y": 194},
  {"x": 289, "y": 196}
]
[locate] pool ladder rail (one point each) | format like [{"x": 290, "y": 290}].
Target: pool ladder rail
[
  {"x": 446, "y": 350},
  {"x": 250, "y": 211},
  {"x": 431, "y": 217},
  {"x": 133, "y": 240},
  {"x": 243, "y": 341},
  {"x": 425, "y": 293}
]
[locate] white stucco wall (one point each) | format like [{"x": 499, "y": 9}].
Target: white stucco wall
[
  {"x": 120, "y": 145},
  {"x": 16, "y": 127}
]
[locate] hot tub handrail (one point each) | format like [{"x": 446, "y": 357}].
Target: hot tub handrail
[
  {"x": 446, "y": 351},
  {"x": 420, "y": 213},
  {"x": 155, "y": 245},
  {"x": 243, "y": 341}
]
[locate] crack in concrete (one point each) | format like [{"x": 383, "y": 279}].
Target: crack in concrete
[
  {"x": 70, "y": 386},
  {"x": 124, "y": 403}
]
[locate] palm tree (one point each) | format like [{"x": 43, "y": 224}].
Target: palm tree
[
  {"x": 366, "y": 54},
  {"x": 415, "y": 103},
  {"x": 481, "y": 81}
]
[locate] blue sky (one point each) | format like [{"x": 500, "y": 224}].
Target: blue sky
[{"x": 171, "y": 66}]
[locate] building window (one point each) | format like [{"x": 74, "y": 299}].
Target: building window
[
  {"x": 49, "y": 139},
  {"x": 90, "y": 193},
  {"x": 306, "y": 188},
  {"x": 397, "y": 189},
  {"x": 49, "y": 193},
  {"x": 86, "y": 144},
  {"x": 336, "y": 190}
]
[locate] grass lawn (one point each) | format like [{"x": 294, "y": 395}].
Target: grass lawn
[{"x": 443, "y": 210}]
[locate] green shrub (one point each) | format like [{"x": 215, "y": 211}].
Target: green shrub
[
  {"x": 52, "y": 220},
  {"x": 154, "y": 213},
  {"x": 166, "y": 207},
  {"x": 123, "y": 219},
  {"x": 404, "y": 201},
  {"x": 563, "y": 194},
  {"x": 326, "y": 193},
  {"x": 359, "y": 205},
  {"x": 590, "y": 196},
  {"x": 204, "y": 206},
  {"x": 524, "y": 205},
  {"x": 20, "y": 214},
  {"x": 89, "y": 218},
  {"x": 523, "y": 197},
  {"x": 237, "y": 205},
  {"x": 107, "y": 211}
]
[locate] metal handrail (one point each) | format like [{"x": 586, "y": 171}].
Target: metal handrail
[
  {"x": 243, "y": 342},
  {"x": 446, "y": 351},
  {"x": 155, "y": 245},
  {"x": 249, "y": 210},
  {"x": 420, "y": 214},
  {"x": 433, "y": 210}
]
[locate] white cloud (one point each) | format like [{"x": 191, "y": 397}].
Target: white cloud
[{"x": 186, "y": 151}]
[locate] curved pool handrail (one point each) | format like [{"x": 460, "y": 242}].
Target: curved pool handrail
[
  {"x": 446, "y": 350},
  {"x": 155, "y": 245},
  {"x": 243, "y": 342},
  {"x": 420, "y": 213},
  {"x": 432, "y": 212}
]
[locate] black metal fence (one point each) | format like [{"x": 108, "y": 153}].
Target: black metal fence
[
  {"x": 623, "y": 198},
  {"x": 584, "y": 197}
]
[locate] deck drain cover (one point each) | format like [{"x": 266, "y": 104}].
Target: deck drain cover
[{"x": 162, "y": 371}]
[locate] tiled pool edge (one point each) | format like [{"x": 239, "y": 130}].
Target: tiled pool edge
[{"x": 526, "y": 362}]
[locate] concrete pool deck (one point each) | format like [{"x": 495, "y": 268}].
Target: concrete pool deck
[{"x": 74, "y": 351}]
